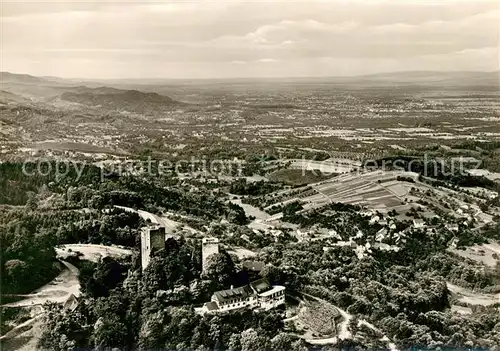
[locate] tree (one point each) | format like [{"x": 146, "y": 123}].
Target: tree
[
  {"x": 110, "y": 331},
  {"x": 282, "y": 342},
  {"x": 96, "y": 202},
  {"x": 483, "y": 206},
  {"x": 234, "y": 342},
  {"x": 290, "y": 209},
  {"x": 272, "y": 273},
  {"x": 252, "y": 341},
  {"x": 353, "y": 325},
  {"x": 32, "y": 202},
  {"x": 236, "y": 214},
  {"x": 15, "y": 270},
  {"x": 61, "y": 329},
  {"x": 299, "y": 345},
  {"x": 151, "y": 332},
  {"x": 98, "y": 279},
  {"x": 154, "y": 275},
  {"x": 220, "y": 268}
]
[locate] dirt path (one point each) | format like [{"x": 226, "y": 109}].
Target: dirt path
[
  {"x": 495, "y": 247},
  {"x": 169, "y": 224},
  {"x": 24, "y": 336},
  {"x": 473, "y": 298},
  {"x": 21, "y": 328},
  {"x": 58, "y": 290}
]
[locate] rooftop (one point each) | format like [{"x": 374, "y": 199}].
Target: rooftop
[
  {"x": 210, "y": 240},
  {"x": 260, "y": 285},
  {"x": 274, "y": 289},
  {"x": 211, "y": 306},
  {"x": 153, "y": 227},
  {"x": 235, "y": 293}
]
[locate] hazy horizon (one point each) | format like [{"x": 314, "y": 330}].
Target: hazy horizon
[
  {"x": 247, "y": 39},
  {"x": 97, "y": 79}
]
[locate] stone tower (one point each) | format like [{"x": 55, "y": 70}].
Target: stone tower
[
  {"x": 152, "y": 239},
  {"x": 209, "y": 246}
]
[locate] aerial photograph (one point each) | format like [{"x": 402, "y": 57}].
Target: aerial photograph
[{"x": 250, "y": 175}]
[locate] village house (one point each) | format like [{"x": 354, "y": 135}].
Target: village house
[{"x": 418, "y": 223}]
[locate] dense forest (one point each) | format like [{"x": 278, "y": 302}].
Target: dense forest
[
  {"x": 403, "y": 292},
  {"x": 123, "y": 308},
  {"x": 39, "y": 212}
]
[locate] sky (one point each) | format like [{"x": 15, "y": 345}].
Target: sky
[{"x": 229, "y": 38}]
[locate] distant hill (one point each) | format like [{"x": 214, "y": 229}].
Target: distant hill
[
  {"x": 118, "y": 99},
  {"x": 7, "y": 97},
  {"x": 434, "y": 78},
  {"x": 7, "y": 77},
  {"x": 457, "y": 79}
]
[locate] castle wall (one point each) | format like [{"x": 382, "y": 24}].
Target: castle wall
[{"x": 151, "y": 239}]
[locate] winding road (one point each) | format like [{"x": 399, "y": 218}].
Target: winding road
[
  {"x": 169, "y": 224},
  {"x": 58, "y": 290}
]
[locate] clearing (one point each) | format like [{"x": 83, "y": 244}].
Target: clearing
[
  {"x": 92, "y": 252},
  {"x": 473, "y": 298}
]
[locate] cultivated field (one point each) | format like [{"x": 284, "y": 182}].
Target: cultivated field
[{"x": 488, "y": 254}]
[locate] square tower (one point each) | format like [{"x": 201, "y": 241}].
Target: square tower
[
  {"x": 152, "y": 239},
  {"x": 209, "y": 246}
]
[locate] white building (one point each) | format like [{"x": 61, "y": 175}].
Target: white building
[
  {"x": 257, "y": 294},
  {"x": 418, "y": 223},
  {"x": 209, "y": 246}
]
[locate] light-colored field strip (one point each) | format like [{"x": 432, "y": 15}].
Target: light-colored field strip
[
  {"x": 92, "y": 252},
  {"x": 467, "y": 296}
]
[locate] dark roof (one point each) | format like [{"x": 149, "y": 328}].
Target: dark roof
[
  {"x": 260, "y": 285},
  {"x": 211, "y": 306},
  {"x": 236, "y": 293},
  {"x": 71, "y": 303},
  {"x": 255, "y": 266}
]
